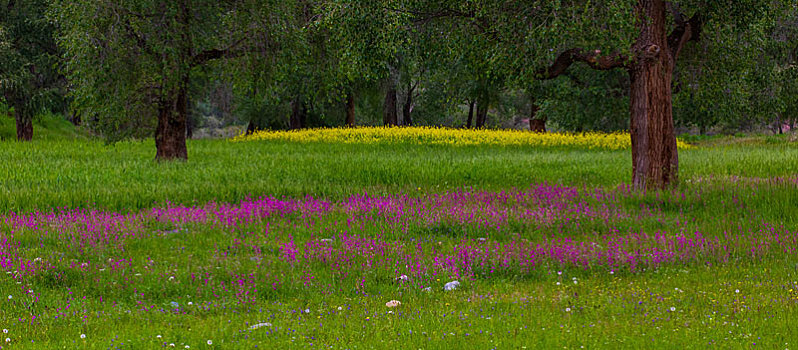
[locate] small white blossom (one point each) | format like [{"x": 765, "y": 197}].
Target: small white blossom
[
  {"x": 737, "y": 291},
  {"x": 393, "y": 303},
  {"x": 5, "y": 331},
  {"x": 673, "y": 309},
  {"x": 210, "y": 342},
  {"x": 567, "y": 309},
  {"x": 340, "y": 308},
  {"x": 82, "y": 336},
  {"x": 8, "y": 340}
]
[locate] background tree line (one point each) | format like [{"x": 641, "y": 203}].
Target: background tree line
[{"x": 137, "y": 68}]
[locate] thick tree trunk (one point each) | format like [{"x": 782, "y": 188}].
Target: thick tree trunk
[
  {"x": 24, "y": 127},
  {"x": 536, "y": 124},
  {"x": 298, "y": 114},
  {"x": 350, "y": 110},
  {"x": 470, "y": 113},
  {"x": 389, "y": 117},
  {"x": 655, "y": 162},
  {"x": 170, "y": 134}
]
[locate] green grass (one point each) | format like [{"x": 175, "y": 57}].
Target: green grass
[
  {"x": 48, "y": 127},
  {"x": 743, "y": 303},
  {"x": 48, "y": 174}
]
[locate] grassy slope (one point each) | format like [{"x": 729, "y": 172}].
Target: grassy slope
[
  {"x": 623, "y": 310},
  {"x": 45, "y": 127}
]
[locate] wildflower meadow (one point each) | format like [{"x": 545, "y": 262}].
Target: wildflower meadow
[{"x": 259, "y": 251}]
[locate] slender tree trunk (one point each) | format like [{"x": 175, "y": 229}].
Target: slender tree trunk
[
  {"x": 170, "y": 134},
  {"x": 24, "y": 126},
  {"x": 389, "y": 117},
  {"x": 536, "y": 124},
  {"x": 482, "y": 112},
  {"x": 350, "y": 110},
  {"x": 655, "y": 161},
  {"x": 189, "y": 121},
  {"x": 470, "y": 113},
  {"x": 298, "y": 114},
  {"x": 251, "y": 128},
  {"x": 407, "y": 108}
]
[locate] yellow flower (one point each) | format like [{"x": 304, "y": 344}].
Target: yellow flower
[{"x": 448, "y": 136}]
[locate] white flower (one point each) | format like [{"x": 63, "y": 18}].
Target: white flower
[
  {"x": 558, "y": 283},
  {"x": 575, "y": 282},
  {"x": 158, "y": 336},
  {"x": 451, "y": 285},
  {"x": 307, "y": 311},
  {"x": 82, "y": 336},
  {"x": 340, "y": 308},
  {"x": 612, "y": 272},
  {"x": 10, "y": 297},
  {"x": 187, "y": 346},
  {"x": 5, "y": 331},
  {"x": 567, "y": 309},
  {"x": 428, "y": 289},
  {"x": 401, "y": 278},
  {"x": 559, "y": 272},
  {"x": 8, "y": 340},
  {"x": 190, "y": 303},
  {"x": 737, "y": 291},
  {"x": 673, "y": 309},
  {"x": 262, "y": 324},
  {"x": 393, "y": 303},
  {"x": 172, "y": 344},
  {"x": 390, "y": 312},
  {"x": 210, "y": 342}
]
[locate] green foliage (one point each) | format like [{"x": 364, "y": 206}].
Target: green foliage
[{"x": 29, "y": 59}]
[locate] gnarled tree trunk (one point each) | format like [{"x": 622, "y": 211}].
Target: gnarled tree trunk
[
  {"x": 536, "y": 124},
  {"x": 170, "y": 134},
  {"x": 24, "y": 126},
  {"x": 655, "y": 161}
]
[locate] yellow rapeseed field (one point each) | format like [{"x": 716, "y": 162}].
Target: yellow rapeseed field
[{"x": 449, "y": 136}]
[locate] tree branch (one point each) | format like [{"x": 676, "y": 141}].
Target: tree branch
[
  {"x": 592, "y": 58},
  {"x": 212, "y": 54},
  {"x": 685, "y": 31}
]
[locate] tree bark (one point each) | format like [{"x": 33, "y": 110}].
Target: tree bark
[
  {"x": 170, "y": 134},
  {"x": 470, "y": 113},
  {"x": 407, "y": 108},
  {"x": 250, "y": 128},
  {"x": 350, "y": 110},
  {"x": 389, "y": 117},
  {"x": 536, "y": 124},
  {"x": 299, "y": 113},
  {"x": 24, "y": 126},
  {"x": 482, "y": 112},
  {"x": 189, "y": 121},
  {"x": 655, "y": 161}
]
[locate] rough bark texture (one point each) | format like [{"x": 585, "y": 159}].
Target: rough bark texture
[
  {"x": 170, "y": 134},
  {"x": 389, "y": 117},
  {"x": 350, "y": 110},
  {"x": 298, "y": 114},
  {"x": 536, "y": 124},
  {"x": 655, "y": 162},
  {"x": 251, "y": 127},
  {"x": 470, "y": 114},
  {"x": 24, "y": 127}
]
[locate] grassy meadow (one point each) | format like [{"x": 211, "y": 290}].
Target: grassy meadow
[{"x": 278, "y": 242}]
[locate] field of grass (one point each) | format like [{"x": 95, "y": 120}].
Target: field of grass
[{"x": 278, "y": 243}]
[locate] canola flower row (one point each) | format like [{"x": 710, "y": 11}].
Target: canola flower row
[{"x": 449, "y": 136}]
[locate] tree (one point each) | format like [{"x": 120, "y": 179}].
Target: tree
[
  {"x": 129, "y": 58},
  {"x": 29, "y": 78}
]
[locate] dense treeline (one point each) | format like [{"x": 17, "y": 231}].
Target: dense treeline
[{"x": 134, "y": 68}]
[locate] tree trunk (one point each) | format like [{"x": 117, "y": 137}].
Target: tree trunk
[
  {"x": 298, "y": 114},
  {"x": 170, "y": 134},
  {"x": 482, "y": 112},
  {"x": 389, "y": 117},
  {"x": 655, "y": 160},
  {"x": 470, "y": 113},
  {"x": 350, "y": 110},
  {"x": 24, "y": 126},
  {"x": 251, "y": 128},
  {"x": 407, "y": 109},
  {"x": 536, "y": 124},
  {"x": 189, "y": 121}
]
